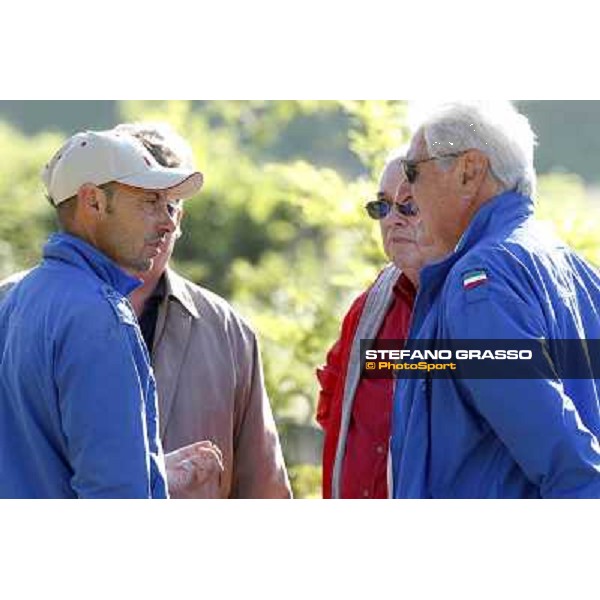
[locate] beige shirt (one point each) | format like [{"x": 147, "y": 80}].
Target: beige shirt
[{"x": 210, "y": 387}]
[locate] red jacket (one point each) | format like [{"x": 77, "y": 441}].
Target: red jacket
[{"x": 332, "y": 377}]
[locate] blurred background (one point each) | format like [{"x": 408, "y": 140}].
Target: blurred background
[{"x": 279, "y": 229}]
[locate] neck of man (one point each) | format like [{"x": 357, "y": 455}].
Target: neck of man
[
  {"x": 413, "y": 276},
  {"x": 140, "y": 295}
]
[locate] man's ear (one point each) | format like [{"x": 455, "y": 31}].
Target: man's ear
[
  {"x": 92, "y": 199},
  {"x": 475, "y": 166}
]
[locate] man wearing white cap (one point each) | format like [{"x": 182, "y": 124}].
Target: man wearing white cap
[{"x": 77, "y": 394}]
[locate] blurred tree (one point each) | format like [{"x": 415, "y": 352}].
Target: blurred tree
[
  {"x": 378, "y": 126},
  {"x": 567, "y": 137},
  {"x": 65, "y": 116},
  {"x": 575, "y": 218},
  {"x": 25, "y": 216}
]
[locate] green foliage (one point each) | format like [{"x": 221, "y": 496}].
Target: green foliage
[
  {"x": 25, "y": 216},
  {"x": 378, "y": 127},
  {"x": 574, "y": 217},
  {"x": 305, "y": 481}
]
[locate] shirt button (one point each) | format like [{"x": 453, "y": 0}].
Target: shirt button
[
  {"x": 380, "y": 449},
  {"x": 365, "y": 493}
]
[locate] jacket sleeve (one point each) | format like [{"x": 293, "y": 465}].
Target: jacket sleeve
[
  {"x": 101, "y": 396},
  {"x": 330, "y": 374},
  {"x": 535, "y": 418},
  {"x": 258, "y": 467}
]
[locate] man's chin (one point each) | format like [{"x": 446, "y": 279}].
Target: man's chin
[{"x": 141, "y": 268}]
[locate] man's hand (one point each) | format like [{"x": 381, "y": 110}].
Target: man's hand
[{"x": 194, "y": 471}]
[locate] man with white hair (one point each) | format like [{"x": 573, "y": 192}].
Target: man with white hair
[{"x": 471, "y": 172}]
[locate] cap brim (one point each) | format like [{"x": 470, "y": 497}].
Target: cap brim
[{"x": 181, "y": 184}]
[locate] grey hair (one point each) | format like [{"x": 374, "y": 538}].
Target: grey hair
[
  {"x": 495, "y": 128},
  {"x": 162, "y": 141}
]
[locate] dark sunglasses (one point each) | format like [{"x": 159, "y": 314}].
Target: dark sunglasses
[
  {"x": 410, "y": 167},
  {"x": 380, "y": 209}
]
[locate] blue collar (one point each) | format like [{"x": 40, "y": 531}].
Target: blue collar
[
  {"x": 73, "y": 250},
  {"x": 494, "y": 217}
]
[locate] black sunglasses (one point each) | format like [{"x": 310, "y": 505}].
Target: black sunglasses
[
  {"x": 381, "y": 208},
  {"x": 410, "y": 167}
]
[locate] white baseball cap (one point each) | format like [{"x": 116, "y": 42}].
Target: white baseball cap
[{"x": 99, "y": 157}]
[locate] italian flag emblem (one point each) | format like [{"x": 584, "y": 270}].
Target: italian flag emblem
[{"x": 473, "y": 279}]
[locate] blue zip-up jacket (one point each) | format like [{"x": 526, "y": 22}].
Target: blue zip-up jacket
[
  {"x": 510, "y": 438},
  {"x": 78, "y": 415}
]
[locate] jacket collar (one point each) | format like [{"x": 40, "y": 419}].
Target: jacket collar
[
  {"x": 73, "y": 250},
  {"x": 502, "y": 211},
  {"x": 500, "y": 214},
  {"x": 493, "y": 219},
  {"x": 176, "y": 288}
]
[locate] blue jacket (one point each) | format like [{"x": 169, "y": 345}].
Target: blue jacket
[
  {"x": 77, "y": 395},
  {"x": 474, "y": 438}
]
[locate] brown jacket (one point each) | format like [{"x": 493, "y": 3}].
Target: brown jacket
[{"x": 210, "y": 387}]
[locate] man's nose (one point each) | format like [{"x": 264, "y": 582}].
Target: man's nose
[
  {"x": 168, "y": 216},
  {"x": 168, "y": 224}
]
